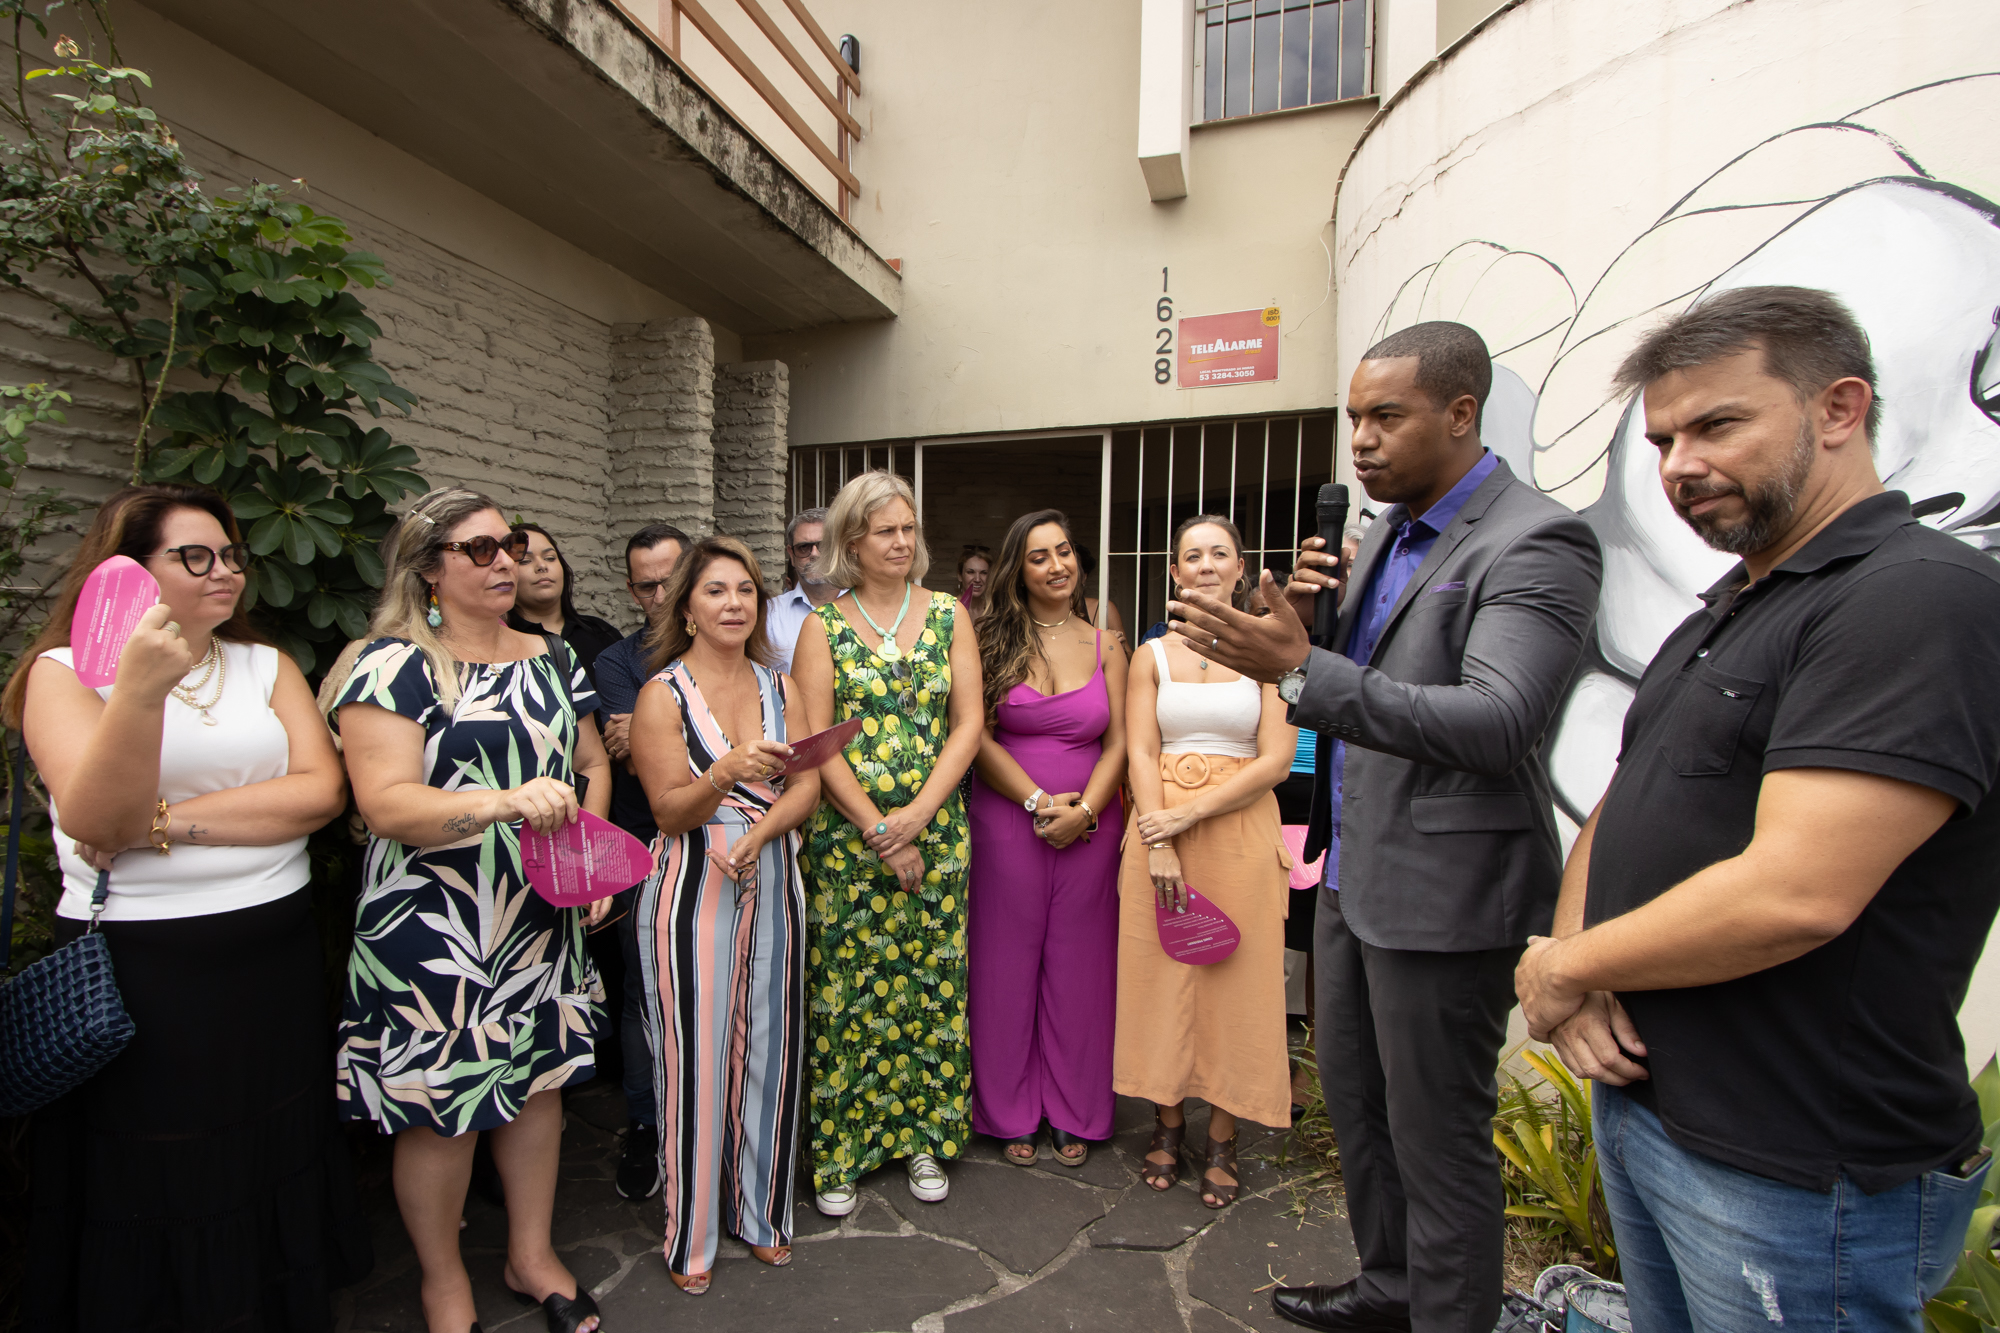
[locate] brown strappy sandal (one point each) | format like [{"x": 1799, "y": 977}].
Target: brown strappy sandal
[
  {"x": 1167, "y": 1139},
  {"x": 1221, "y": 1157},
  {"x": 777, "y": 1256},
  {"x": 694, "y": 1284}
]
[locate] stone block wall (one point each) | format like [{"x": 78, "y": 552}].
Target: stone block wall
[
  {"x": 590, "y": 428},
  {"x": 752, "y": 409}
]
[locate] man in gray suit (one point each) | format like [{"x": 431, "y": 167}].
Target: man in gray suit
[{"x": 1474, "y": 599}]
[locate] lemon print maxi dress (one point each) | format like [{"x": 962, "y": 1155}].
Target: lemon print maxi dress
[{"x": 889, "y": 1068}]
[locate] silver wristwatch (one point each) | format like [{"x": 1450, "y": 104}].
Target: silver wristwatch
[
  {"x": 1292, "y": 684},
  {"x": 1033, "y": 802}
]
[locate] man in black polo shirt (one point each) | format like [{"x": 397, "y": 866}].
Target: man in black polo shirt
[{"x": 1768, "y": 924}]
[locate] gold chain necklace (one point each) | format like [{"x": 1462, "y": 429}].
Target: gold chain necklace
[
  {"x": 218, "y": 670},
  {"x": 1058, "y": 625}
]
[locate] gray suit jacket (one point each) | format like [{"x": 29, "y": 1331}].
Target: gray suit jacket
[{"x": 1448, "y": 837}]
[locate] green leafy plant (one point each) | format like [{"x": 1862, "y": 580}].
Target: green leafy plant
[
  {"x": 103, "y": 221},
  {"x": 1549, "y": 1161},
  {"x": 1970, "y": 1300}
]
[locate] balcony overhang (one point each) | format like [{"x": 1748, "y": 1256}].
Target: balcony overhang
[{"x": 566, "y": 112}]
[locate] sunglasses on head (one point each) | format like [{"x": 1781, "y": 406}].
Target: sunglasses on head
[
  {"x": 481, "y": 550},
  {"x": 198, "y": 560}
]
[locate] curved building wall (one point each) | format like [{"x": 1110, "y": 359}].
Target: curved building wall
[{"x": 1577, "y": 170}]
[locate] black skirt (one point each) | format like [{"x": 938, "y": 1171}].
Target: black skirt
[{"x": 200, "y": 1182}]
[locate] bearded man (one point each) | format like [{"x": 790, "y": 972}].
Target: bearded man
[{"x": 1768, "y": 924}]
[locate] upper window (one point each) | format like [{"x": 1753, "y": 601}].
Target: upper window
[{"x": 1270, "y": 55}]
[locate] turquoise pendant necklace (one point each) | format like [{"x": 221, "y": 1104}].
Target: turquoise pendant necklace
[{"x": 889, "y": 651}]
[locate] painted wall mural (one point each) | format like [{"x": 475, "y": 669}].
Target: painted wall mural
[{"x": 1890, "y": 206}]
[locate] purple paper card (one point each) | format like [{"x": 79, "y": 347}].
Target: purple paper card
[
  {"x": 115, "y": 595},
  {"x": 816, "y": 749},
  {"x": 584, "y": 861},
  {"x": 1202, "y": 934}
]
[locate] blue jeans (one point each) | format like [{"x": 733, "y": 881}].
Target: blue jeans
[
  {"x": 639, "y": 1106},
  {"x": 1708, "y": 1246}
]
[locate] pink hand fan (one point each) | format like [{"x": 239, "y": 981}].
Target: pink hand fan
[
  {"x": 115, "y": 595},
  {"x": 584, "y": 861},
  {"x": 1202, "y": 934}
]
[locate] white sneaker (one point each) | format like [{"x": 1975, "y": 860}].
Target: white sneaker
[
  {"x": 838, "y": 1201},
  {"x": 927, "y": 1179}
]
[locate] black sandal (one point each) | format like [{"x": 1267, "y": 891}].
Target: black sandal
[
  {"x": 1027, "y": 1141},
  {"x": 564, "y": 1313},
  {"x": 1065, "y": 1143},
  {"x": 1221, "y": 1157},
  {"x": 1167, "y": 1139}
]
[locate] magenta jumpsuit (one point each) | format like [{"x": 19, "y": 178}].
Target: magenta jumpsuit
[{"x": 1042, "y": 981}]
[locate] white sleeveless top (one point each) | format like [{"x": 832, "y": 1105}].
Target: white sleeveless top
[
  {"x": 1208, "y": 719},
  {"x": 248, "y": 744}
]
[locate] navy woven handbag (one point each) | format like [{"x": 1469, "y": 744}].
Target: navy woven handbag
[{"x": 61, "y": 1020}]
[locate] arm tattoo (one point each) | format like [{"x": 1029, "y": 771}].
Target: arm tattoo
[
  {"x": 194, "y": 833},
  {"x": 461, "y": 825}
]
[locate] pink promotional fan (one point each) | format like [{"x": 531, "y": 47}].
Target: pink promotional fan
[
  {"x": 1202, "y": 934},
  {"x": 821, "y": 746},
  {"x": 583, "y": 861},
  {"x": 115, "y": 595}
]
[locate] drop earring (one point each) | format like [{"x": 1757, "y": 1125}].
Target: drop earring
[
  {"x": 690, "y": 629},
  {"x": 433, "y": 616}
]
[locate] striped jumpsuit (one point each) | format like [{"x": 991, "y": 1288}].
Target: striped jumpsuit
[{"x": 722, "y": 967}]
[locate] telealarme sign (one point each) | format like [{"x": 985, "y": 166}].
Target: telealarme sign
[{"x": 1237, "y": 348}]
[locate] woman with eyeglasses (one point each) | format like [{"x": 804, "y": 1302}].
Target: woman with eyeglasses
[
  {"x": 471, "y": 1001},
  {"x": 545, "y": 600},
  {"x": 721, "y": 924},
  {"x": 889, "y": 1069},
  {"x": 202, "y": 1171}
]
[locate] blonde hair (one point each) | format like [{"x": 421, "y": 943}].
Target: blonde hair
[
  {"x": 847, "y": 522},
  {"x": 414, "y": 548},
  {"x": 669, "y": 639}
]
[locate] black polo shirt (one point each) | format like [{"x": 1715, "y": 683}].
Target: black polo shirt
[{"x": 1875, "y": 648}]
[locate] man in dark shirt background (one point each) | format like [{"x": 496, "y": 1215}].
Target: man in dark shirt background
[
  {"x": 1769, "y": 923},
  {"x": 650, "y": 557}
]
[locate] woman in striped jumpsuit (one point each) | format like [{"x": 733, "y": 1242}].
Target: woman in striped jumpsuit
[{"x": 720, "y": 921}]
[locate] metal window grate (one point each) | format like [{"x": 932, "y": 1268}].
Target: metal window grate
[
  {"x": 1262, "y": 473},
  {"x": 818, "y": 471},
  {"x": 1272, "y": 55}
]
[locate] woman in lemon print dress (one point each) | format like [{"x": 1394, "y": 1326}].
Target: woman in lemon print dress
[{"x": 888, "y": 1067}]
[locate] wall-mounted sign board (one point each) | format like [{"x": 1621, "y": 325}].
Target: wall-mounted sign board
[{"x": 1240, "y": 347}]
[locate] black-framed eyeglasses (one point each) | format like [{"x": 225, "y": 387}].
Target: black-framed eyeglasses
[
  {"x": 646, "y": 589},
  {"x": 482, "y": 549},
  {"x": 805, "y": 548},
  {"x": 198, "y": 560}
]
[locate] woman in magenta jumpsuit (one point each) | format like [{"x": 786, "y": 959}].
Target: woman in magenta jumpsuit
[{"x": 1045, "y": 819}]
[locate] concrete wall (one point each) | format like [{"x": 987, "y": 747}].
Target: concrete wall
[
  {"x": 1000, "y": 169},
  {"x": 1583, "y": 168}
]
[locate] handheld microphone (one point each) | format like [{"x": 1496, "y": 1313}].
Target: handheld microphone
[{"x": 1332, "y": 526}]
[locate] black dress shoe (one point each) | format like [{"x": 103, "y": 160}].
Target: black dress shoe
[{"x": 1338, "y": 1309}]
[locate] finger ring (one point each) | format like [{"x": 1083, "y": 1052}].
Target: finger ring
[
  {"x": 172, "y": 627},
  {"x": 1215, "y": 641},
  {"x": 882, "y": 827}
]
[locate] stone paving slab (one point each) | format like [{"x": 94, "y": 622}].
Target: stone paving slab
[
  {"x": 1100, "y": 1291},
  {"x": 1012, "y": 1248},
  {"x": 831, "y": 1286},
  {"x": 1022, "y": 1218},
  {"x": 1261, "y": 1242}
]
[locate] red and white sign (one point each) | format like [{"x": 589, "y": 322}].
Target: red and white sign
[
  {"x": 583, "y": 861},
  {"x": 115, "y": 595},
  {"x": 1237, "y": 348}
]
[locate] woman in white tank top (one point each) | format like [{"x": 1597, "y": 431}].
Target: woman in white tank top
[
  {"x": 194, "y": 780},
  {"x": 1206, "y": 746}
]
